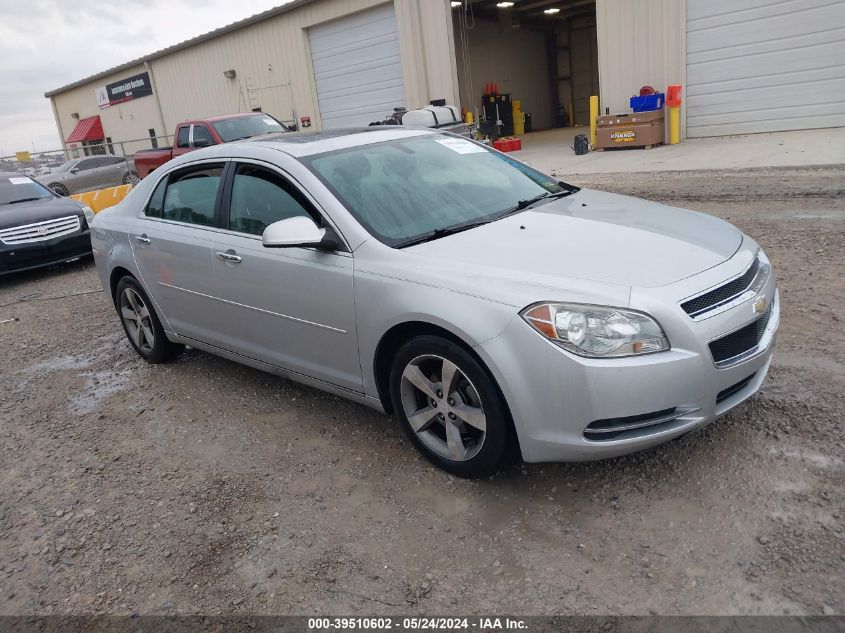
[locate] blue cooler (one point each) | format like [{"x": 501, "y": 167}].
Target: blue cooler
[{"x": 648, "y": 102}]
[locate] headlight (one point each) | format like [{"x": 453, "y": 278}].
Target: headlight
[
  {"x": 89, "y": 214},
  {"x": 597, "y": 331}
]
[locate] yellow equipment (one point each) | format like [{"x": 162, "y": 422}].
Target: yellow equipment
[
  {"x": 518, "y": 118},
  {"x": 104, "y": 198}
]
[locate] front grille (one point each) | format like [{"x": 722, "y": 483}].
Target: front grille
[
  {"x": 40, "y": 231},
  {"x": 740, "y": 342},
  {"x": 709, "y": 300},
  {"x": 724, "y": 394}
]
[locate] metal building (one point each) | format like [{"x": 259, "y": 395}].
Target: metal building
[{"x": 746, "y": 65}]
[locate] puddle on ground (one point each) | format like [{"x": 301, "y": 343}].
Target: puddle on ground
[
  {"x": 826, "y": 462},
  {"x": 99, "y": 385},
  {"x": 59, "y": 363}
]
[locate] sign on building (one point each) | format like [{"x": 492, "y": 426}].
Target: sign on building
[
  {"x": 124, "y": 90},
  {"x": 23, "y": 157}
]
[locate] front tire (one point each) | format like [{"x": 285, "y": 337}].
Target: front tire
[
  {"x": 59, "y": 189},
  {"x": 141, "y": 324},
  {"x": 131, "y": 178},
  {"x": 449, "y": 407}
]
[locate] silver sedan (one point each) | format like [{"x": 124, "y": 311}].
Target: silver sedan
[
  {"x": 482, "y": 302},
  {"x": 89, "y": 174}
]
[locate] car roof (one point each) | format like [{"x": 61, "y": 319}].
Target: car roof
[{"x": 301, "y": 144}]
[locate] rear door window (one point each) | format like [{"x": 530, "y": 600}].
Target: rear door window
[
  {"x": 85, "y": 165},
  {"x": 182, "y": 137},
  {"x": 156, "y": 202},
  {"x": 191, "y": 194}
]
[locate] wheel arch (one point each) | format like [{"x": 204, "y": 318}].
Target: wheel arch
[
  {"x": 398, "y": 335},
  {"x": 401, "y": 333},
  {"x": 117, "y": 273}
]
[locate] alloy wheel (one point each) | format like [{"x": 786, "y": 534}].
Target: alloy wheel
[
  {"x": 136, "y": 318},
  {"x": 443, "y": 407}
]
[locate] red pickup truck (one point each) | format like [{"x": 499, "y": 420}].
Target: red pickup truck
[{"x": 192, "y": 135}]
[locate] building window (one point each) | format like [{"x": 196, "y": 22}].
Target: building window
[
  {"x": 153, "y": 139},
  {"x": 94, "y": 148}
]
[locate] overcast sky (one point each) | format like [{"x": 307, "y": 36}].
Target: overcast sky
[{"x": 45, "y": 44}]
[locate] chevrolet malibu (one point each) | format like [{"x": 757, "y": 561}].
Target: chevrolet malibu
[{"x": 483, "y": 303}]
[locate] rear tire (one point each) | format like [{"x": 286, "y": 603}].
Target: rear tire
[
  {"x": 141, "y": 323},
  {"x": 131, "y": 178},
  {"x": 449, "y": 406}
]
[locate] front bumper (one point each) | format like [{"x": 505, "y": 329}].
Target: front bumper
[
  {"x": 554, "y": 395},
  {"x": 20, "y": 257}
]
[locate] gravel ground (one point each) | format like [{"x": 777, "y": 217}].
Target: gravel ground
[{"x": 206, "y": 487}]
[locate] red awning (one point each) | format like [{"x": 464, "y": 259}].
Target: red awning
[{"x": 89, "y": 129}]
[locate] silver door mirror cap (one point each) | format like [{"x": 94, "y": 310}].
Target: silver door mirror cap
[{"x": 298, "y": 231}]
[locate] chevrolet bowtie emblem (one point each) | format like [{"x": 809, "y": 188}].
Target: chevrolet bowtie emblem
[{"x": 760, "y": 304}]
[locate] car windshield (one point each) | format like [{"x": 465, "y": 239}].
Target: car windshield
[
  {"x": 15, "y": 189},
  {"x": 406, "y": 189},
  {"x": 245, "y": 127}
]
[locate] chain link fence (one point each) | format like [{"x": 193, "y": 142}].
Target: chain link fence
[{"x": 82, "y": 167}]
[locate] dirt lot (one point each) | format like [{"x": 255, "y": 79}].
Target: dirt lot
[{"x": 203, "y": 486}]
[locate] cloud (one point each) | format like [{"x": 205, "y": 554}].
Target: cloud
[{"x": 46, "y": 44}]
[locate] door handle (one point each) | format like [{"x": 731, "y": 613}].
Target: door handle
[
  {"x": 142, "y": 239},
  {"x": 230, "y": 256}
]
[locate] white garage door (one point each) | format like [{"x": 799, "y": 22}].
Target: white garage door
[
  {"x": 764, "y": 65},
  {"x": 357, "y": 68}
]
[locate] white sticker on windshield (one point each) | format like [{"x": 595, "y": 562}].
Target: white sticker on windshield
[
  {"x": 461, "y": 146},
  {"x": 269, "y": 121},
  {"x": 19, "y": 181}
]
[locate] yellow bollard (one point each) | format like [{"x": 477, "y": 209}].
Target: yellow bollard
[
  {"x": 594, "y": 113},
  {"x": 674, "y": 125}
]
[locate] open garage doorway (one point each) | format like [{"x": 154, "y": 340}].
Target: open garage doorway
[{"x": 542, "y": 53}]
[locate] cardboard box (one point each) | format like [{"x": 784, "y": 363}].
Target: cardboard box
[{"x": 640, "y": 129}]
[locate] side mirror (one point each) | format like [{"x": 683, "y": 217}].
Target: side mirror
[
  {"x": 75, "y": 170},
  {"x": 297, "y": 231},
  {"x": 202, "y": 142}
]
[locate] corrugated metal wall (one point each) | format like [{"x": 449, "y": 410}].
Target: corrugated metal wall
[
  {"x": 357, "y": 67},
  {"x": 758, "y": 66},
  {"x": 124, "y": 121},
  {"x": 641, "y": 42},
  {"x": 272, "y": 64},
  {"x": 271, "y": 60}
]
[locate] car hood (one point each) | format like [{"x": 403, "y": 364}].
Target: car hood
[
  {"x": 592, "y": 236},
  {"x": 37, "y": 211}
]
